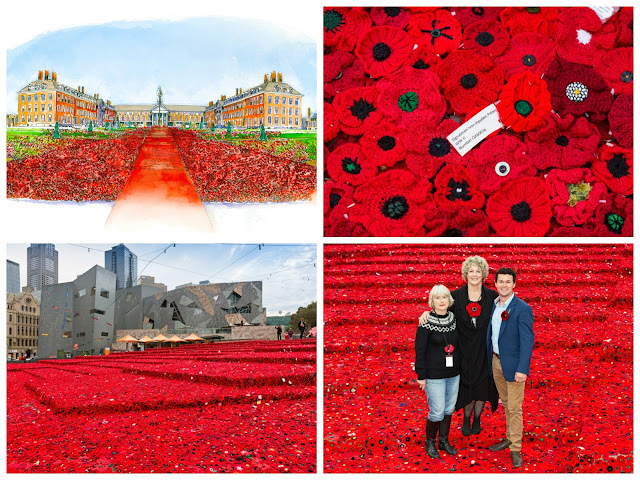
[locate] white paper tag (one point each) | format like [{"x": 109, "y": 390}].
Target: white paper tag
[
  {"x": 605, "y": 13},
  {"x": 476, "y": 129},
  {"x": 449, "y": 361}
]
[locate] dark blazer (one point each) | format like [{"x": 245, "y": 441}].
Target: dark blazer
[{"x": 515, "y": 340}]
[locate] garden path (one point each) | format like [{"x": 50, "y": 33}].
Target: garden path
[{"x": 159, "y": 191}]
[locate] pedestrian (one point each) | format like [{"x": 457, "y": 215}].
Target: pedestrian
[
  {"x": 301, "y": 327},
  {"x": 279, "y": 330},
  {"x": 290, "y": 332}
]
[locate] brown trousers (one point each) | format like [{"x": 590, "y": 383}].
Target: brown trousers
[{"x": 512, "y": 396}]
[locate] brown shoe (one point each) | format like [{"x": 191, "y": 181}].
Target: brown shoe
[
  {"x": 516, "y": 459},
  {"x": 501, "y": 445}
]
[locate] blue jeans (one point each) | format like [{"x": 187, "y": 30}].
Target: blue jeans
[{"x": 442, "y": 394}]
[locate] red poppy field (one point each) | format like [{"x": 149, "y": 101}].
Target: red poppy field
[
  {"x": 399, "y": 81},
  {"x": 238, "y": 407},
  {"x": 578, "y": 402}
]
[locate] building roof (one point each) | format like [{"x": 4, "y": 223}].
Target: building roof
[
  {"x": 43, "y": 85},
  {"x": 17, "y": 297},
  {"x": 148, "y": 107},
  {"x": 268, "y": 87}
]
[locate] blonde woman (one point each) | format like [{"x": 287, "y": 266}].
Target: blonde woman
[{"x": 438, "y": 369}]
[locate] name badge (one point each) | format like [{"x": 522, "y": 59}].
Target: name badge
[{"x": 449, "y": 361}]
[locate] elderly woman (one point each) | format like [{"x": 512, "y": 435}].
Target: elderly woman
[
  {"x": 438, "y": 368},
  {"x": 472, "y": 308}
]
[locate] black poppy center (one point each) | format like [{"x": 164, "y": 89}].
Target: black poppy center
[
  {"x": 523, "y": 108},
  {"x": 468, "y": 81},
  {"x": 421, "y": 65},
  {"x": 439, "y": 147},
  {"x": 349, "y": 165},
  {"x": 387, "y": 143},
  {"x": 618, "y": 166},
  {"x": 529, "y": 60},
  {"x": 521, "y": 212},
  {"x": 533, "y": 9},
  {"x": 381, "y": 51},
  {"x": 614, "y": 222},
  {"x": 435, "y": 33},
  {"x": 361, "y": 109},
  {"x": 626, "y": 76},
  {"x": 453, "y": 232},
  {"x": 332, "y": 20},
  {"x": 484, "y": 39},
  {"x": 392, "y": 11},
  {"x": 478, "y": 11},
  {"x": 395, "y": 207},
  {"x": 334, "y": 199},
  {"x": 562, "y": 141},
  {"x": 459, "y": 191}
]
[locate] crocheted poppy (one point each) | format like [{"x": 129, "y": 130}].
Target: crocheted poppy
[
  {"x": 343, "y": 26},
  {"x": 499, "y": 160},
  {"x": 560, "y": 231},
  {"x": 614, "y": 167},
  {"x": 392, "y": 16},
  {"x": 575, "y": 194},
  {"x": 527, "y": 52},
  {"x": 342, "y": 71},
  {"x": 563, "y": 142},
  {"x": 530, "y": 19},
  {"x": 468, "y": 15},
  {"x": 423, "y": 58},
  {"x": 430, "y": 149},
  {"x": 524, "y": 102},
  {"x": 505, "y": 316},
  {"x": 457, "y": 187},
  {"x": 613, "y": 217},
  {"x": 337, "y": 195},
  {"x": 384, "y": 144},
  {"x": 485, "y": 38},
  {"x": 357, "y": 109},
  {"x": 621, "y": 120},
  {"x": 347, "y": 164},
  {"x": 439, "y": 30},
  {"x": 474, "y": 309},
  {"x": 462, "y": 222},
  {"x": 383, "y": 50},
  {"x": 623, "y": 23},
  {"x": 616, "y": 67},
  {"x": 578, "y": 89},
  {"x": 393, "y": 204},
  {"x": 412, "y": 97},
  {"x": 469, "y": 80},
  {"x": 331, "y": 123},
  {"x": 521, "y": 208},
  {"x": 338, "y": 226},
  {"x": 338, "y": 200}
]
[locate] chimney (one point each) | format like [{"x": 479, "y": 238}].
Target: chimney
[
  {"x": 39, "y": 74},
  {"x": 211, "y": 103},
  {"x": 273, "y": 76},
  {"x": 280, "y": 77},
  {"x": 108, "y": 102},
  {"x": 46, "y": 74},
  {"x": 82, "y": 89},
  {"x": 266, "y": 79},
  {"x": 54, "y": 76},
  {"x": 309, "y": 112},
  {"x": 240, "y": 91},
  {"x": 79, "y": 87}
]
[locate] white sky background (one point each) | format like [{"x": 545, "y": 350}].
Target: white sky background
[{"x": 287, "y": 271}]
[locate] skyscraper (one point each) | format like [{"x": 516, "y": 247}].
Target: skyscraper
[
  {"x": 13, "y": 277},
  {"x": 42, "y": 265},
  {"x": 124, "y": 263}
]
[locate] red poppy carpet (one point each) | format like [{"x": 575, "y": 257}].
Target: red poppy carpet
[
  {"x": 240, "y": 407},
  {"x": 578, "y": 402}
]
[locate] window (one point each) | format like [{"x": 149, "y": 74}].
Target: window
[
  {"x": 93, "y": 291},
  {"x": 289, "y": 110},
  {"x": 29, "y": 118},
  {"x": 296, "y": 111},
  {"x": 290, "y": 100},
  {"x": 42, "y": 97},
  {"x": 129, "y": 297},
  {"x": 28, "y": 98},
  {"x": 104, "y": 293},
  {"x": 284, "y": 100},
  {"x": 269, "y": 120},
  {"x": 49, "y": 117},
  {"x": 95, "y": 310},
  {"x": 296, "y": 101},
  {"x": 28, "y": 110},
  {"x": 50, "y": 96},
  {"x": 23, "y": 98},
  {"x": 80, "y": 334},
  {"x": 277, "y": 110},
  {"x": 10, "y": 317},
  {"x": 276, "y": 120},
  {"x": 277, "y": 99},
  {"x": 9, "y": 332},
  {"x": 104, "y": 334},
  {"x": 67, "y": 334}
]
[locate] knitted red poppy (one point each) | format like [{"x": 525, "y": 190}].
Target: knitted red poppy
[
  {"x": 524, "y": 102},
  {"x": 423, "y": 58},
  {"x": 468, "y": 15},
  {"x": 621, "y": 120},
  {"x": 560, "y": 231},
  {"x": 575, "y": 194},
  {"x": 462, "y": 222},
  {"x": 347, "y": 164},
  {"x": 613, "y": 217},
  {"x": 531, "y": 52},
  {"x": 474, "y": 309},
  {"x": 521, "y": 208},
  {"x": 343, "y": 26},
  {"x": 499, "y": 160},
  {"x": 530, "y": 19},
  {"x": 383, "y": 50},
  {"x": 616, "y": 67},
  {"x": 623, "y": 23},
  {"x": 338, "y": 200},
  {"x": 563, "y": 142},
  {"x": 357, "y": 109},
  {"x": 487, "y": 38},
  {"x": 393, "y": 204},
  {"x": 439, "y": 30},
  {"x": 469, "y": 80},
  {"x": 384, "y": 144},
  {"x": 578, "y": 89},
  {"x": 331, "y": 122},
  {"x": 430, "y": 149},
  {"x": 392, "y": 16},
  {"x": 614, "y": 167},
  {"x": 457, "y": 187},
  {"x": 337, "y": 195},
  {"x": 338, "y": 226},
  {"x": 342, "y": 71},
  {"x": 412, "y": 97}
]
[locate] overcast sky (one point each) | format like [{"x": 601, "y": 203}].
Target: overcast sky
[
  {"x": 287, "y": 271},
  {"x": 126, "y": 54}
]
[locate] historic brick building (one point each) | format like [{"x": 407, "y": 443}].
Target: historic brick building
[{"x": 23, "y": 319}]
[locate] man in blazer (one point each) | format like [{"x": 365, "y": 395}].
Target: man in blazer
[{"x": 509, "y": 347}]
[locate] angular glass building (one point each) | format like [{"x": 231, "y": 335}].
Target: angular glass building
[{"x": 42, "y": 265}]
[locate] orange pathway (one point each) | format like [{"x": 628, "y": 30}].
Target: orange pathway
[{"x": 159, "y": 193}]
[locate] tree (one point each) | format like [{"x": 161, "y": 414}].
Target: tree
[
  {"x": 56, "y": 132},
  {"x": 309, "y": 313},
  {"x": 90, "y": 126}
]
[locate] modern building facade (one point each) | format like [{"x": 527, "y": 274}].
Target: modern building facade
[
  {"x": 23, "y": 319},
  {"x": 42, "y": 265},
  {"x": 124, "y": 263},
  {"x": 151, "y": 282},
  {"x": 13, "y": 277}
]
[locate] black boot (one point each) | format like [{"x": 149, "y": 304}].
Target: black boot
[
  {"x": 443, "y": 440},
  {"x": 476, "y": 428},
  {"x": 466, "y": 426},
  {"x": 430, "y": 442}
]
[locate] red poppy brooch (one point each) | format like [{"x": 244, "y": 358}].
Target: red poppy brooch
[
  {"x": 504, "y": 315},
  {"x": 474, "y": 309}
]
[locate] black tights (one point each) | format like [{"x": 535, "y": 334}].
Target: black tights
[{"x": 475, "y": 406}]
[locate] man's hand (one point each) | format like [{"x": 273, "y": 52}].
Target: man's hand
[
  {"x": 422, "y": 383},
  {"x": 520, "y": 377},
  {"x": 424, "y": 316}
]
